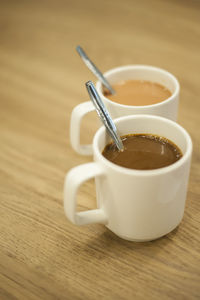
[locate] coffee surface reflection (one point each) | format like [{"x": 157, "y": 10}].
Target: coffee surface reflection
[{"x": 143, "y": 152}]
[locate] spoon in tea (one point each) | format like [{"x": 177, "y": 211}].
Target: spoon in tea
[
  {"x": 104, "y": 115},
  {"x": 94, "y": 69}
]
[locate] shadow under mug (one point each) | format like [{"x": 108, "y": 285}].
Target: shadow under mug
[
  {"x": 167, "y": 108},
  {"x": 137, "y": 205}
]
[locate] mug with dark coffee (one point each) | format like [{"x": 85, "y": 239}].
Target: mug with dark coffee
[
  {"x": 143, "y": 152},
  {"x": 141, "y": 192},
  {"x": 139, "y": 90}
]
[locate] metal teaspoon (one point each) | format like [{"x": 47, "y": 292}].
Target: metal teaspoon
[
  {"x": 104, "y": 115},
  {"x": 94, "y": 69}
]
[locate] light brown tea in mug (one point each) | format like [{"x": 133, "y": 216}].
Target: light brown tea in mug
[
  {"x": 138, "y": 92},
  {"x": 143, "y": 152}
]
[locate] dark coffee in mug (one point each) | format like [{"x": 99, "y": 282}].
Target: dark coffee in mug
[
  {"x": 138, "y": 92},
  {"x": 143, "y": 152}
]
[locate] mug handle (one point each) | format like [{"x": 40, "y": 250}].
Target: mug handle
[
  {"x": 73, "y": 181},
  {"x": 75, "y": 125}
]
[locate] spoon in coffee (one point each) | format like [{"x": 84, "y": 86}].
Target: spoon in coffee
[
  {"x": 104, "y": 115},
  {"x": 94, "y": 69}
]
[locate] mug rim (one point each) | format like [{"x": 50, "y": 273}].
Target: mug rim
[
  {"x": 138, "y": 66},
  {"x": 143, "y": 173}
]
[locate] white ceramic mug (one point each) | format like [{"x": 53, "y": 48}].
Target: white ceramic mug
[
  {"x": 137, "y": 205},
  {"x": 167, "y": 108}
]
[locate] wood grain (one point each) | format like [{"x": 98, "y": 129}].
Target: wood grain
[{"x": 42, "y": 255}]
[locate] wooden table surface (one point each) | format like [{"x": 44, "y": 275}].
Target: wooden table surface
[{"x": 42, "y": 255}]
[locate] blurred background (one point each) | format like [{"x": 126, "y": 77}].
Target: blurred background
[{"x": 38, "y": 40}]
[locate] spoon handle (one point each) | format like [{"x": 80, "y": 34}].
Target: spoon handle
[
  {"x": 104, "y": 115},
  {"x": 94, "y": 69}
]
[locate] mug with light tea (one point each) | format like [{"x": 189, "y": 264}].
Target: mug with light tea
[
  {"x": 141, "y": 191},
  {"x": 138, "y": 92},
  {"x": 138, "y": 89}
]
